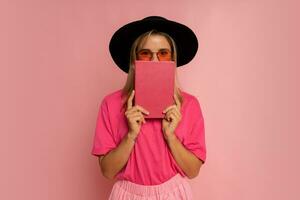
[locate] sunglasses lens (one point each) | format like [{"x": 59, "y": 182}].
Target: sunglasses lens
[
  {"x": 144, "y": 55},
  {"x": 164, "y": 55}
]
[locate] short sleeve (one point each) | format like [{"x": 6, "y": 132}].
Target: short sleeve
[
  {"x": 194, "y": 140},
  {"x": 103, "y": 136}
]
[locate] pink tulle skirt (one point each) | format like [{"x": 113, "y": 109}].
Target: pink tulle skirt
[{"x": 176, "y": 188}]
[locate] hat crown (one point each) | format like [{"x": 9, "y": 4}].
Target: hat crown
[{"x": 154, "y": 18}]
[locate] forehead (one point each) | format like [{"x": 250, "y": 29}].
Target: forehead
[{"x": 154, "y": 42}]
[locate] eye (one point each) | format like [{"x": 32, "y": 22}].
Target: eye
[
  {"x": 164, "y": 52},
  {"x": 144, "y": 52}
]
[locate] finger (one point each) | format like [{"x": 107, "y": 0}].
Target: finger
[
  {"x": 133, "y": 110},
  {"x": 130, "y": 111},
  {"x": 168, "y": 116},
  {"x": 176, "y": 111},
  {"x": 172, "y": 117},
  {"x": 136, "y": 114},
  {"x": 177, "y": 102},
  {"x": 177, "y": 114},
  {"x": 138, "y": 119},
  {"x": 129, "y": 101},
  {"x": 168, "y": 108},
  {"x": 136, "y": 108},
  {"x": 140, "y": 108},
  {"x": 171, "y": 108},
  {"x": 143, "y": 119}
]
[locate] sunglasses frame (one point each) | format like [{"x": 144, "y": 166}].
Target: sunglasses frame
[{"x": 152, "y": 52}]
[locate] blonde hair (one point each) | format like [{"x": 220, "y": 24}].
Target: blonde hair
[{"x": 129, "y": 86}]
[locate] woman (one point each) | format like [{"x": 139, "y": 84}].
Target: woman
[{"x": 150, "y": 158}]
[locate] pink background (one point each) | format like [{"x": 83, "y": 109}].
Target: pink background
[{"x": 56, "y": 67}]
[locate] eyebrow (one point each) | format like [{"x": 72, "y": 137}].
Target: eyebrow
[{"x": 159, "y": 49}]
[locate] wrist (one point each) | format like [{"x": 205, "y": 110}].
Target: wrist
[
  {"x": 171, "y": 138},
  {"x": 131, "y": 137}
]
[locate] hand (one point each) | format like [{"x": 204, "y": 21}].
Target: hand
[
  {"x": 134, "y": 116},
  {"x": 171, "y": 119}
]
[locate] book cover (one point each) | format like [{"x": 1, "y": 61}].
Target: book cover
[{"x": 154, "y": 86}]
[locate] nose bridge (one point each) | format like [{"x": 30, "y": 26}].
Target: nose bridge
[{"x": 154, "y": 57}]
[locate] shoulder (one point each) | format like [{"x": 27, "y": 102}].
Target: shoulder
[
  {"x": 189, "y": 100},
  {"x": 191, "y": 105},
  {"x": 113, "y": 96},
  {"x": 113, "y": 101}
]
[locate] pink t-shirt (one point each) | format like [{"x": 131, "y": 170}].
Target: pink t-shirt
[{"x": 151, "y": 161}]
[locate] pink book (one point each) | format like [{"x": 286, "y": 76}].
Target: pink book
[{"x": 154, "y": 86}]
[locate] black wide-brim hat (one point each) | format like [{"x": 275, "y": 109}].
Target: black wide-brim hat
[{"x": 122, "y": 40}]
